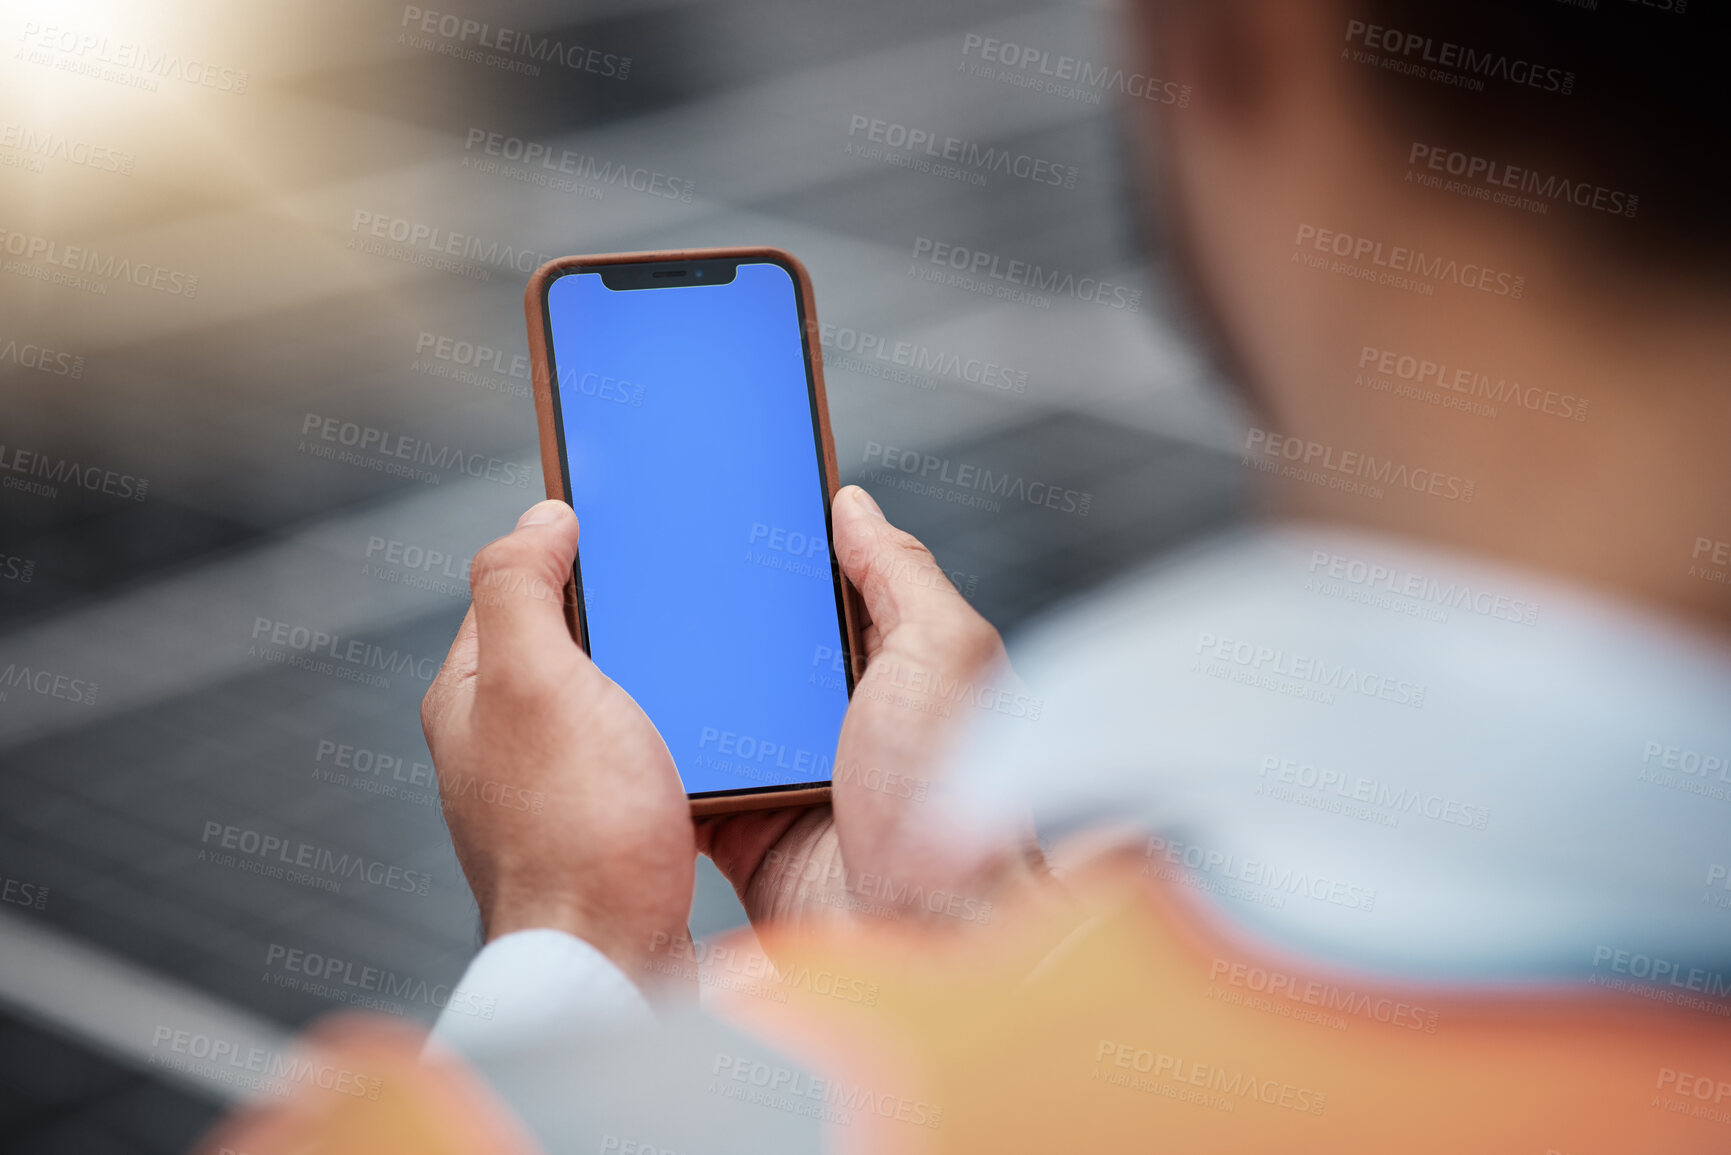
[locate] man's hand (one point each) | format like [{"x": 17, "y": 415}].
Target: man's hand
[
  {"x": 931, "y": 660},
  {"x": 563, "y": 803}
]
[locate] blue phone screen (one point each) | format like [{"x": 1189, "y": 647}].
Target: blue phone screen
[{"x": 703, "y": 551}]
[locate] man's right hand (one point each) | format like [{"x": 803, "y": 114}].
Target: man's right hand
[
  {"x": 929, "y": 658},
  {"x": 564, "y": 806}
]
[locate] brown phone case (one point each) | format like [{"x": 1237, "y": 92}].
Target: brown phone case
[{"x": 539, "y": 362}]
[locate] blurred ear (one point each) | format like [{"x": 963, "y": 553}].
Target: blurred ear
[
  {"x": 1269, "y": 106},
  {"x": 1241, "y": 58}
]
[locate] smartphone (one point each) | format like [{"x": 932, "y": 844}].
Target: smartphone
[{"x": 682, "y": 414}]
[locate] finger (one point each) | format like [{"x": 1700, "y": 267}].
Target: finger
[
  {"x": 870, "y": 638},
  {"x": 894, "y": 572},
  {"x": 739, "y": 843},
  {"x": 780, "y": 862},
  {"x": 455, "y": 681},
  {"x": 519, "y": 584},
  {"x": 873, "y": 641}
]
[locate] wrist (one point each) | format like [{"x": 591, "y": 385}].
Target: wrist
[{"x": 639, "y": 950}]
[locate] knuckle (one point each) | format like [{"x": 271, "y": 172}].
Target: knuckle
[
  {"x": 502, "y": 682},
  {"x": 975, "y": 640},
  {"x": 901, "y": 562},
  {"x": 494, "y": 562},
  {"x": 907, "y": 543},
  {"x": 522, "y": 689},
  {"x": 436, "y": 703},
  {"x": 511, "y": 566}
]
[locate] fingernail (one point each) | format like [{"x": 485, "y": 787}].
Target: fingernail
[
  {"x": 542, "y": 513},
  {"x": 865, "y": 499}
]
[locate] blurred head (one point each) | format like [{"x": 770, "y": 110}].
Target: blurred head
[{"x": 1476, "y": 238}]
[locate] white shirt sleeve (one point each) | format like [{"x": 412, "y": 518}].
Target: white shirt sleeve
[{"x": 535, "y": 985}]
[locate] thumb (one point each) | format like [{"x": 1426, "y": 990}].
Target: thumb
[
  {"x": 894, "y": 572},
  {"x": 519, "y": 587}
]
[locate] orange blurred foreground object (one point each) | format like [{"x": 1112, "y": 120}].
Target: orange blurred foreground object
[
  {"x": 1127, "y": 1022},
  {"x": 1136, "y": 1024},
  {"x": 357, "y": 1086}
]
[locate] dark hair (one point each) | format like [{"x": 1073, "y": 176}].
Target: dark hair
[{"x": 1622, "y": 95}]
